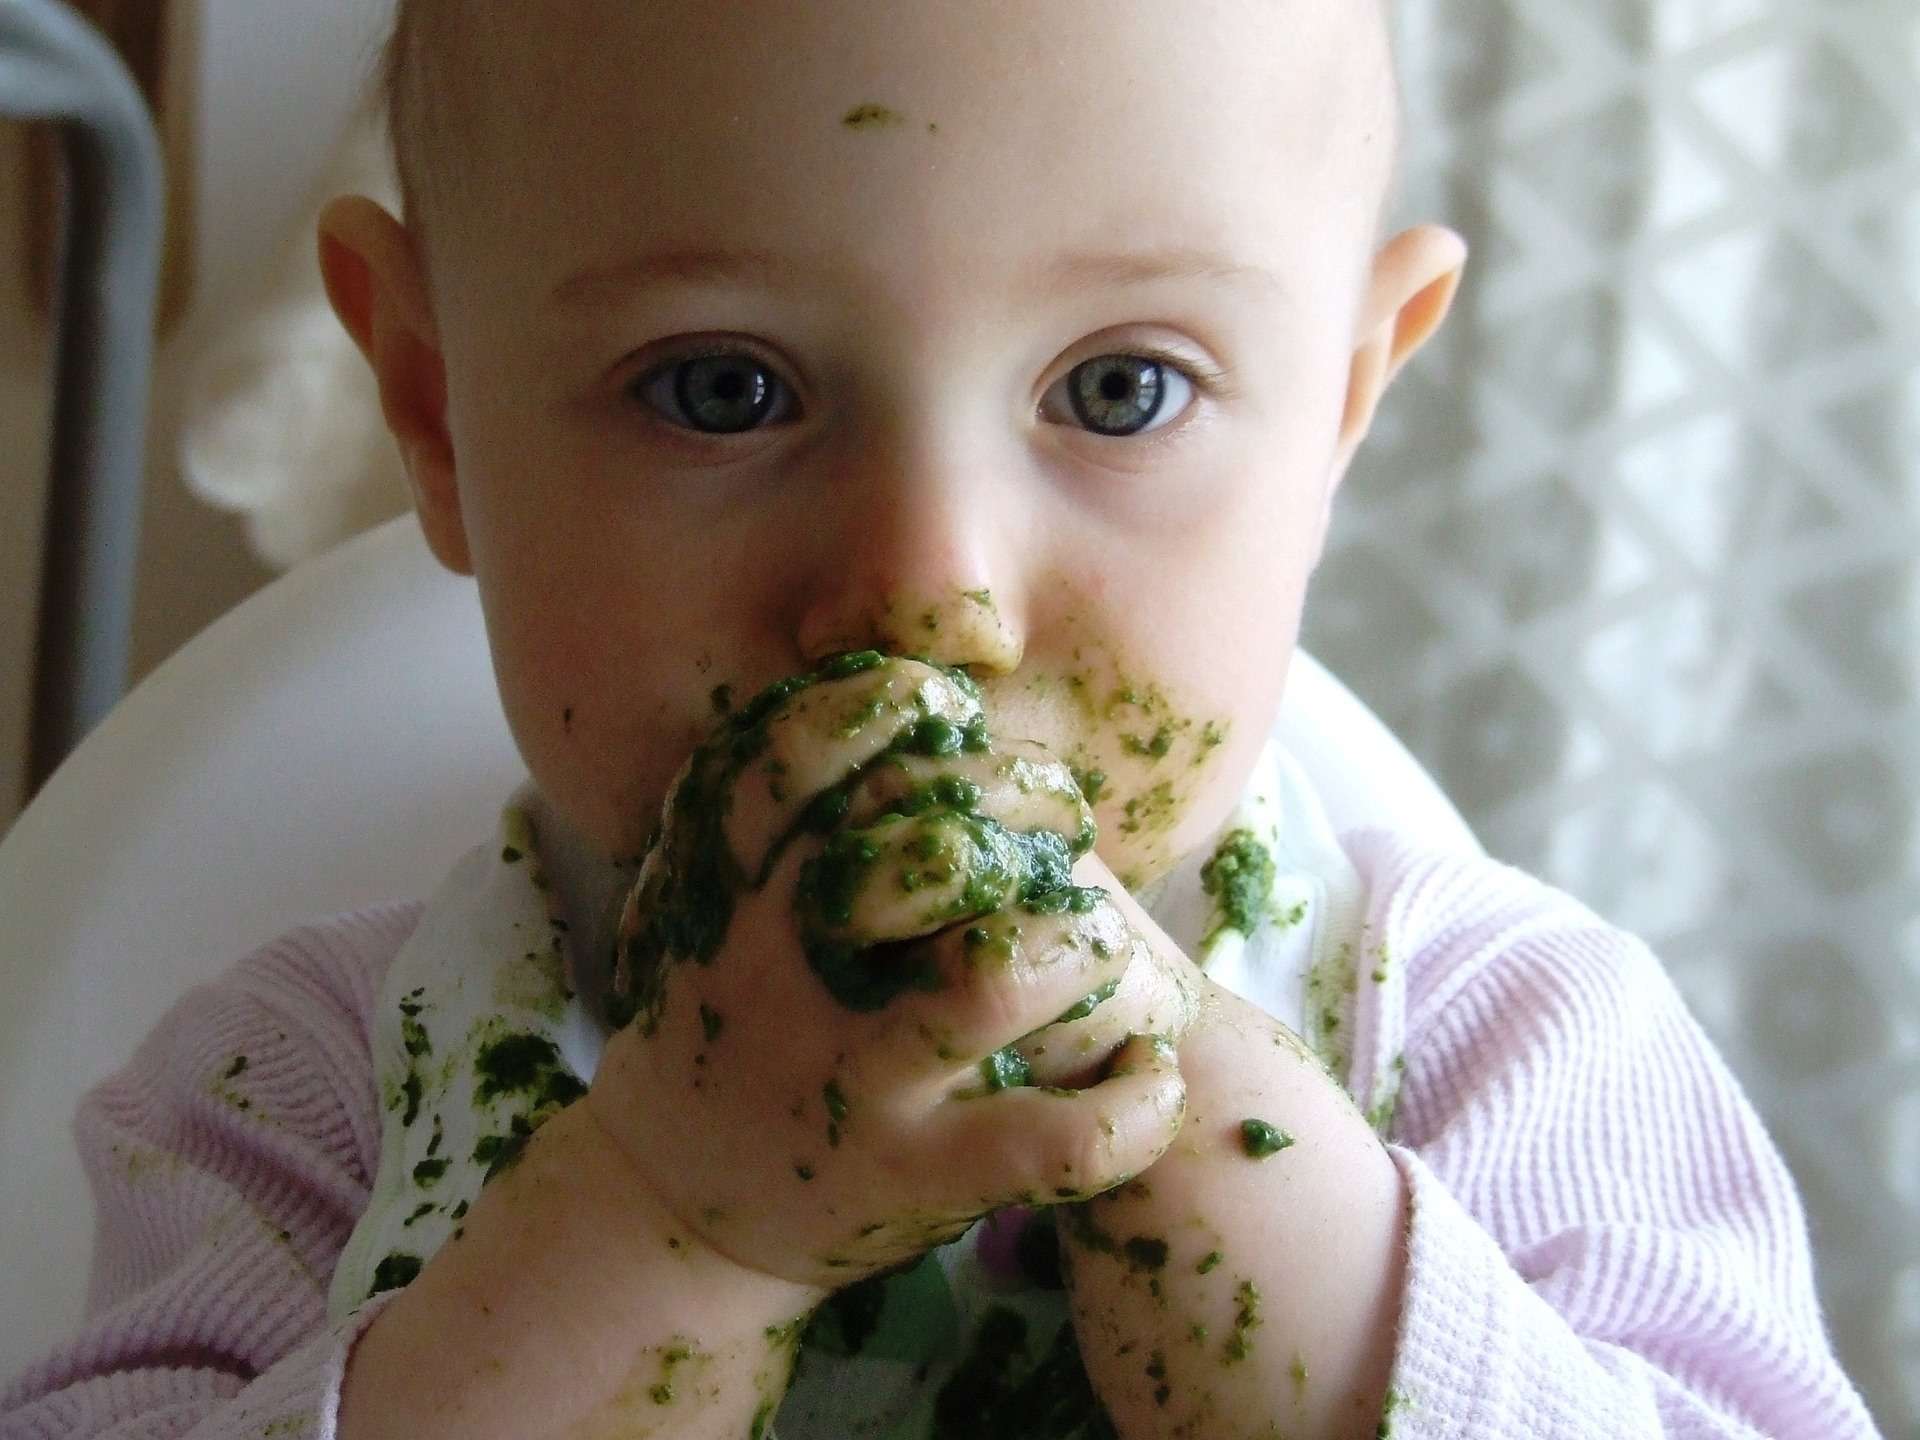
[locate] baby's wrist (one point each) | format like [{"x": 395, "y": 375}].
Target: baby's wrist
[
  {"x": 573, "y": 1293},
  {"x": 599, "y": 1187},
  {"x": 1262, "y": 1256}
]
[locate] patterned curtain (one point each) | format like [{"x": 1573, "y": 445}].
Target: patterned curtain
[{"x": 1630, "y": 560}]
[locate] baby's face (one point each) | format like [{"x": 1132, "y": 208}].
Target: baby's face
[{"x": 769, "y": 334}]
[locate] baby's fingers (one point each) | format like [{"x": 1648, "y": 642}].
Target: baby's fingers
[
  {"x": 795, "y": 751},
  {"x": 992, "y": 982},
  {"x": 1043, "y": 1146},
  {"x": 907, "y": 876},
  {"x": 1018, "y": 783}
]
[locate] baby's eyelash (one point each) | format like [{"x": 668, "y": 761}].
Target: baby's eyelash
[{"x": 1213, "y": 381}]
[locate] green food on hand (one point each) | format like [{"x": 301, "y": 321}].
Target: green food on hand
[
  {"x": 1006, "y": 1070},
  {"x": 1259, "y": 1139}
]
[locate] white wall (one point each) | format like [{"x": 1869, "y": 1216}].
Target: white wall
[{"x": 277, "y": 80}]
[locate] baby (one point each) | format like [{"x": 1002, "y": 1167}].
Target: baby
[{"x": 892, "y": 443}]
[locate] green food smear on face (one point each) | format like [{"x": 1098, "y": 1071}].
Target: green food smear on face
[
  {"x": 1092, "y": 783},
  {"x": 1239, "y": 877},
  {"x": 1153, "y": 810},
  {"x": 1259, "y": 1139},
  {"x": 1145, "y": 1252},
  {"x": 871, "y": 115},
  {"x": 1211, "y": 1259},
  {"x": 1154, "y": 748}
]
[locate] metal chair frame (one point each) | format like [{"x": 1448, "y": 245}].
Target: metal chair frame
[{"x": 55, "y": 66}]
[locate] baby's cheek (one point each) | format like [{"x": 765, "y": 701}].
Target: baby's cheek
[
  {"x": 602, "y": 762},
  {"x": 1159, "y": 771},
  {"x": 1150, "y": 815}
]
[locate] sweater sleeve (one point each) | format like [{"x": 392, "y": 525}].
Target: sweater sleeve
[
  {"x": 1603, "y": 1240},
  {"x": 228, "y": 1161}
]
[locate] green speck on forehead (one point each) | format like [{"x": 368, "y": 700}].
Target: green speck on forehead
[{"x": 871, "y": 116}]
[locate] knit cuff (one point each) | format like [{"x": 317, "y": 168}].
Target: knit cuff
[
  {"x": 1480, "y": 1354},
  {"x": 298, "y": 1398}
]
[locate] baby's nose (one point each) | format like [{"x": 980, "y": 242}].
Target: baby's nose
[{"x": 917, "y": 551}]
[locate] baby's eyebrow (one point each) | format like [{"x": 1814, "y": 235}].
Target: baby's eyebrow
[{"x": 1078, "y": 271}]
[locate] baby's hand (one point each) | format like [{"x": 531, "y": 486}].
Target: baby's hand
[
  {"x": 1255, "y": 1270},
  {"x": 855, "y": 908}
]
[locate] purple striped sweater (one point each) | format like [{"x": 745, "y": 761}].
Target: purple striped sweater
[{"x": 1603, "y": 1240}]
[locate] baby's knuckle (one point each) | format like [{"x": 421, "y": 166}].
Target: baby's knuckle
[{"x": 1088, "y": 1153}]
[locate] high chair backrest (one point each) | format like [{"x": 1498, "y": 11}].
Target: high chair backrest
[{"x": 333, "y": 742}]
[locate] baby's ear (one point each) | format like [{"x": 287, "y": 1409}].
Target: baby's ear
[
  {"x": 374, "y": 279},
  {"x": 1415, "y": 276}
]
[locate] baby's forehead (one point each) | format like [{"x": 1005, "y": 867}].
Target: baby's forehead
[{"x": 473, "y": 89}]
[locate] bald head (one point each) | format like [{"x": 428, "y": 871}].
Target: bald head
[{"x": 446, "y": 59}]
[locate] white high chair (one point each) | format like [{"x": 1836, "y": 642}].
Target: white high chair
[{"x": 333, "y": 742}]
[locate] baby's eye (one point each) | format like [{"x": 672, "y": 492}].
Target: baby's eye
[
  {"x": 728, "y": 392},
  {"x": 1120, "y": 395},
  {"x": 721, "y": 393}
]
